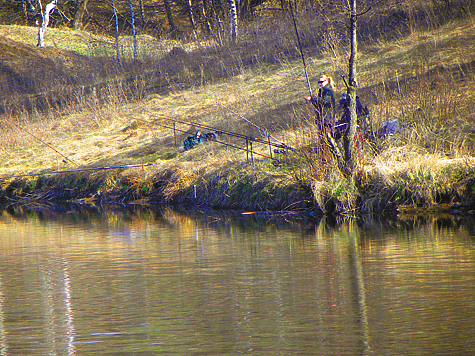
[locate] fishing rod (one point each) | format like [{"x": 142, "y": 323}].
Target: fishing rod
[
  {"x": 300, "y": 48},
  {"x": 245, "y": 149},
  {"x": 45, "y": 143},
  {"x": 249, "y": 122},
  {"x": 233, "y": 134},
  {"x": 399, "y": 94},
  {"x": 242, "y": 117},
  {"x": 229, "y": 144},
  {"x": 80, "y": 170},
  {"x": 218, "y": 132},
  {"x": 215, "y": 131}
]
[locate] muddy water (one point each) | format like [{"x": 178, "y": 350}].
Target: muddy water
[{"x": 148, "y": 282}]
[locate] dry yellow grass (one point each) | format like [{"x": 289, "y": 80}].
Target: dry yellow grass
[{"x": 270, "y": 95}]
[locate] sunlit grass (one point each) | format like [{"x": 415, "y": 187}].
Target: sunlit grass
[
  {"x": 89, "y": 44},
  {"x": 435, "y": 98}
]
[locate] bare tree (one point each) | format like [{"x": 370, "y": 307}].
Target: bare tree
[
  {"x": 31, "y": 12},
  {"x": 347, "y": 159},
  {"x": 142, "y": 13},
  {"x": 349, "y": 138},
  {"x": 219, "y": 13},
  {"x": 45, "y": 21},
  {"x": 210, "y": 19},
  {"x": 234, "y": 21},
  {"x": 168, "y": 9},
  {"x": 192, "y": 18},
  {"x": 133, "y": 28},
  {"x": 243, "y": 8},
  {"x": 79, "y": 14},
  {"x": 116, "y": 34},
  {"x": 205, "y": 14}
]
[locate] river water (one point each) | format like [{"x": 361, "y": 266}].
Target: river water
[{"x": 136, "y": 281}]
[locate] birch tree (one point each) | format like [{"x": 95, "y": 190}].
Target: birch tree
[
  {"x": 45, "y": 21},
  {"x": 206, "y": 17},
  {"x": 133, "y": 28},
  {"x": 234, "y": 21},
  {"x": 191, "y": 16},
  {"x": 218, "y": 15},
  {"x": 116, "y": 34},
  {"x": 142, "y": 14}
]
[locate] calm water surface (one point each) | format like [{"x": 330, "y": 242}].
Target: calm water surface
[{"x": 159, "y": 282}]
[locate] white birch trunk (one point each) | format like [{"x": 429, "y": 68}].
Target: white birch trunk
[
  {"x": 133, "y": 29},
  {"x": 116, "y": 34},
  {"x": 192, "y": 18},
  {"x": 234, "y": 21},
  {"x": 45, "y": 21}
]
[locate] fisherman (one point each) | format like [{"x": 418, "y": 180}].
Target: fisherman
[
  {"x": 324, "y": 103},
  {"x": 342, "y": 125},
  {"x": 345, "y": 105}
]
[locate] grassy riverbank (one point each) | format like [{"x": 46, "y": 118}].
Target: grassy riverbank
[{"x": 78, "y": 110}]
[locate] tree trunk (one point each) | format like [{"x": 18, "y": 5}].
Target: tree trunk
[
  {"x": 133, "y": 29},
  {"x": 219, "y": 13},
  {"x": 344, "y": 152},
  {"x": 45, "y": 21},
  {"x": 192, "y": 18},
  {"x": 234, "y": 21},
  {"x": 282, "y": 6},
  {"x": 31, "y": 12},
  {"x": 142, "y": 13},
  {"x": 206, "y": 17},
  {"x": 243, "y": 9},
  {"x": 349, "y": 139},
  {"x": 79, "y": 14},
  {"x": 170, "y": 17},
  {"x": 116, "y": 33}
]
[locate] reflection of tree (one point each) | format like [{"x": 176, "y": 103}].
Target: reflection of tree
[
  {"x": 36, "y": 312},
  {"x": 57, "y": 307},
  {"x": 68, "y": 312},
  {"x": 3, "y": 339},
  {"x": 356, "y": 275},
  {"x": 213, "y": 281}
]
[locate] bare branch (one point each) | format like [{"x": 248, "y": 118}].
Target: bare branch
[{"x": 364, "y": 12}]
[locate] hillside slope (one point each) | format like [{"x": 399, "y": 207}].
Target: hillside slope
[{"x": 118, "y": 131}]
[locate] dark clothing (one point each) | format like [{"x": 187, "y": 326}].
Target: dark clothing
[
  {"x": 193, "y": 141},
  {"x": 345, "y": 105},
  {"x": 342, "y": 125},
  {"x": 324, "y": 102}
]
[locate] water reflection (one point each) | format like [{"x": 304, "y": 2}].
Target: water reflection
[
  {"x": 81, "y": 280},
  {"x": 3, "y": 339}
]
